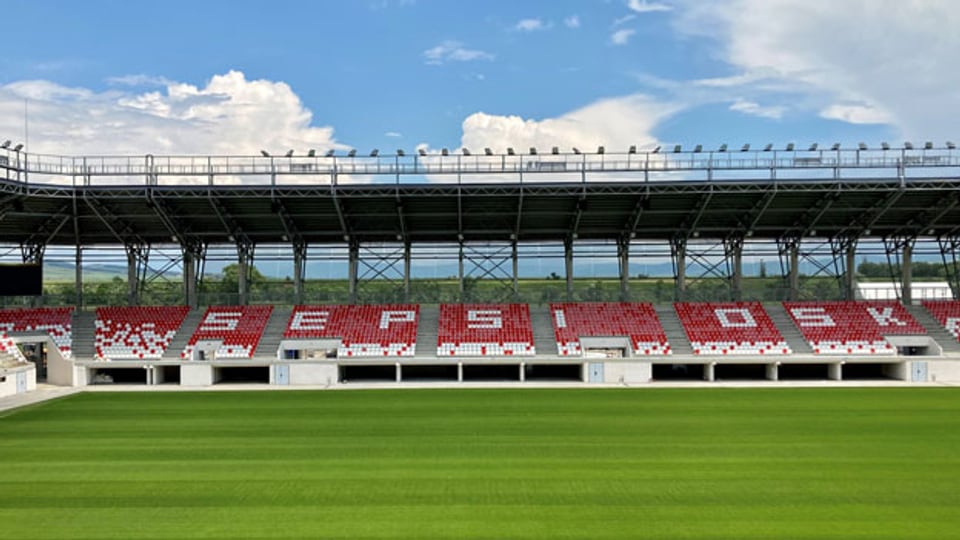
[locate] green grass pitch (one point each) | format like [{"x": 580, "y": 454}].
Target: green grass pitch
[{"x": 476, "y": 463}]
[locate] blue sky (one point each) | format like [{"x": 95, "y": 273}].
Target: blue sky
[{"x": 233, "y": 77}]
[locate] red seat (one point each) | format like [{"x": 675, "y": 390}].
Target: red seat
[
  {"x": 238, "y": 330},
  {"x": 728, "y": 328},
  {"x": 55, "y": 322},
  {"x": 947, "y": 312},
  {"x": 852, "y": 328},
  {"x": 374, "y": 331},
  {"x": 485, "y": 330},
  {"x": 637, "y": 321},
  {"x": 136, "y": 332}
]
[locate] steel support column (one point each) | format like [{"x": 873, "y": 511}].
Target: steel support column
[
  {"x": 568, "y": 267},
  {"x": 623, "y": 259},
  {"x": 733, "y": 251},
  {"x": 78, "y": 275},
  {"x": 850, "y": 271},
  {"x": 906, "y": 273},
  {"x": 299, "y": 271},
  {"x": 793, "y": 278},
  {"x": 678, "y": 254},
  {"x": 244, "y": 260},
  {"x": 353, "y": 266},
  {"x": 516, "y": 272},
  {"x": 406, "y": 272}
]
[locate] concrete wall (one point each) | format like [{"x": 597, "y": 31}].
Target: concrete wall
[
  {"x": 313, "y": 374},
  {"x": 196, "y": 375},
  {"x": 627, "y": 372},
  {"x": 9, "y": 376},
  {"x": 943, "y": 370}
]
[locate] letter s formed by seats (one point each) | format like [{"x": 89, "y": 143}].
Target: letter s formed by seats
[
  {"x": 484, "y": 318},
  {"x": 220, "y": 320},
  {"x": 812, "y": 317}
]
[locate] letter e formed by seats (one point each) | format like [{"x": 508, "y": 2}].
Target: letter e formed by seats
[
  {"x": 741, "y": 318},
  {"x": 220, "y": 320},
  {"x": 310, "y": 320},
  {"x": 812, "y": 317},
  {"x": 484, "y": 318},
  {"x": 388, "y": 317}
]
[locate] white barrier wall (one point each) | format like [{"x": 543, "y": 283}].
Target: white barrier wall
[
  {"x": 943, "y": 371},
  {"x": 627, "y": 372},
  {"x": 18, "y": 380},
  {"x": 313, "y": 374},
  {"x": 196, "y": 375}
]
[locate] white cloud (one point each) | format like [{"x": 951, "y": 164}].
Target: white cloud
[
  {"x": 643, "y": 6},
  {"x": 622, "y": 37},
  {"x": 612, "y": 122},
  {"x": 755, "y": 109},
  {"x": 530, "y": 25},
  {"x": 453, "y": 51},
  {"x": 393, "y": 134},
  {"x": 139, "y": 80},
  {"x": 625, "y": 19},
  {"x": 856, "y": 114},
  {"x": 857, "y": 60},
  {"x": 229, "y": 115},
  {"x": 572, "y": 21}
]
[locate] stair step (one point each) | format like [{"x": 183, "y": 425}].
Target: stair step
[
  {"x": 544, "y": 339},
  {"x": 935, "y": 330},
  {"x": 673, "y": 328},
  {"x": 784, "y": 323}
]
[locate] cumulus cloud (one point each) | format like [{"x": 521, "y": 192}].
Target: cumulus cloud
[
  {"x": 453, "y": 51},
  {"x": 530, "y": 25},
  {"x": 864, "y": 61},
  {"x": 612, "y": 122},
  {"x": 572, "y": 21},
  {"x": 643, "y": 6},
  {"x": 228, "y": 115},
  {"x": 755, "y": 109},
  {"x": 622, "y": 37}
]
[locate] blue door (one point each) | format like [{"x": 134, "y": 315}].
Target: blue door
[
  {"x": 21, "y": 382},
  {"x": 918, "y": 372},
  {"x": 282, "y": 375},
  {"x": 595, "y": 370}
]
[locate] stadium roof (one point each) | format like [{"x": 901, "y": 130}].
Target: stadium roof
[{"x": 454, "y": 197}]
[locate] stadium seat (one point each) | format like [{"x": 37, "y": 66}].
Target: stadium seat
[
  {"x": 236, "y": 330},
  {"x": 947, "y": 312},
  {"x": 730, "y": 328},
  {"x": 56, "y": 322},
  {"x": 485, "y": 330},
  {"x": 136, "y": 332},
  {"x": 852, "y": 328},
  {"x": 636, "y": 321},
  {"x": 363, "y": 331}
]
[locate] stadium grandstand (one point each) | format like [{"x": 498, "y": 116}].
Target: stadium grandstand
[{"x": 707, "y": 213}]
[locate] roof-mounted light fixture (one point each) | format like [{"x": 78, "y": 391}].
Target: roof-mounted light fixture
[
  {"x": 908, "y": 145},
  {"x": 352, "y": 152},
  {"x": 312, "y": 153},
  {"x": 465, "y": 150},
  {"x": 745, "y": 148},
  {"x": 488, "y": 151},
  {"x": 768, "y": 147},
  {"x": 633, "y": 149},
  {"x": 723, "y": 148},
  {"x": 790, "y": 147},
  {"x": 375, "y": 152},
  {"x": 289, "y": 153},
  {"x": 422, "y": 152},
  {"x": 510, "y": 151},
  {"x": 836, "y": 146},
  {"x": 400, "y": 152},
  {"x": 601, "y": 149},
  {"x": 264, "y": 153},
  {"x": 330, "y": 152},
  {"x": 813, "y": 147},
  {"x": 885, "y": 145}
]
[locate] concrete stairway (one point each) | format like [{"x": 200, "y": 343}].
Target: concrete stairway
[
  {"x": 427, "y": 331},
  {"x": 789, "y": 331},
  {"x": 543, "y": 337},
  {"x": 935, "y": 330},
  {"x": 273, "y": 333},
  {"x": 83, "y": 331},
  {"x": 190, "y": 324},
  {"x": 676, "y": 336}
]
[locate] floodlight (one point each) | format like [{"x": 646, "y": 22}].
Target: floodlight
[
  {"x": 813, "y": 147},
  {"x": 745, "y": 148},
  {"x": 698, "y": 148},
  {"x": 488, "y": 151},
  {"x": 465, "y": 150},
  {"x": 510, "y": 151},
  {"x": 836, "y": 146},
  {"x": 885, "y": 145},
  {"x": 951, "y": 146},
  {"x": 375, "y": 152},
  {"x": 633, "y": 149},
  {"x": 265, "y": 153},
  {"x": 422, "y": 152},
  {"x": 928, "y": 146},
  {"x": 555, "y": 150},
  {"x": 862, "y": 146},
  {"x": 312, "y": 153},
  {"x": 600, "y": 149},
  {"x": 768, "y": 147},
  {"x": 677, "y": 148},
  {"x": 289, "y": 153},
  {"x": 352, "y": 152},
  {"x": 908, "y": 145},
  {"x": 576, "y": 150},
  {"x": 533, "y": 151},
  {"x": 5, "y": 145},
  {"x": 656, "y": 150},
  {"x": 790, "y": 147},
  {"x": 330, "y": 152},
  {"x": 723, "y": 148},
  {"x": 18, "y": 147},
  {"x": 444, "y": 152},
  {"x": 400, "y": 152}
]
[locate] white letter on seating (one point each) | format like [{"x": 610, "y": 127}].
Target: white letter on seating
[
  {"x": 388, "y": 317},
  {"x": 220, "y": 320},
  {"x": 812, "y": 317},
  {"x": 884, "y": 317},
  {"x": 310, "y": 320},
  {"x": 560, "y": 317},
  {"x": 743, "y": 313},
  {"x": 484, "y": 318}
]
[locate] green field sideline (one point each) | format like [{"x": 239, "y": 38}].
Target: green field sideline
[{"x": 687, "y": 463}]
